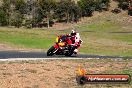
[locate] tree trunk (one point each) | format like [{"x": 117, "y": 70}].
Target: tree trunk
[
  {"x": 73, "y": 17},
  {"x": 48, "y": 23},
  {"x": 68, "y": 17}
]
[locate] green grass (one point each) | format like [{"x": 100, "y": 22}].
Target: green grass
[
  {"x": 107, "y": 38},
  {"x": 104, "y": 38},
  {"x": 39, "y": 39}
]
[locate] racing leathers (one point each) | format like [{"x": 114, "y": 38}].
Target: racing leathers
[{"x": 76, "y": 41}]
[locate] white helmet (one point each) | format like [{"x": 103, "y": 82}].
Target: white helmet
[{"x": 73, "y": 32}]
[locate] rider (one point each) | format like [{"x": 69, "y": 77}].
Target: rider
[{"x": 76, "y": 40}]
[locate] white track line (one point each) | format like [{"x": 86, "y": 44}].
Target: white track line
[
  {"x": 19, "y": 59},
  {"x": 27, "y": 59}
]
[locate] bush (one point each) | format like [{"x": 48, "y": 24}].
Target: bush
[
  {"x": 3, "y": 18},
  {"x": 123, "y": 4},
  {"x": 67, "y": 11},
  {"x": 28, "y": 24},
  {"x": 86, "y": 7},
  {"x": 16, "y": 19}
]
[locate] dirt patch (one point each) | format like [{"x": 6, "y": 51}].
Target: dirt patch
[
  {"x": 62, "y": 26},
  {"x": 56, "y": 73},
  {"x": 5, "y": 47}
]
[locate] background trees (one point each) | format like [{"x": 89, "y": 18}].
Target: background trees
[
  {"x": 47, "y": 9},
  {"x": 67, "y": 10},
  {"x": 38, "y": 13},
  {"x": 16, "y": 19},
  {"x": 87, "y": 7},
  {"x": 102, "y": 5},
  {"x": 126, "y": 5},
  {"x": 5, "y": 11},
  {"x": 3, "y": 19},
  {"x": 123, "y": 4}
]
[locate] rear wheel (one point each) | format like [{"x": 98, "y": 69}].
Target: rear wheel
[
  {"x": 50, "y": 52},
  {"x": 68, "y": 54},
  {"x": 70, "y": 51}
]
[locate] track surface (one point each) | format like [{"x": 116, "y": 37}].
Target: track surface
[{"x": 15, "y": 54}]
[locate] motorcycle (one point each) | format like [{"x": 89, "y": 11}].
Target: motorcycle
[{"x": 63, "y": 46}]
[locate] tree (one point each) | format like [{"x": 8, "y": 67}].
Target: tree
[
  {"x": 67, "y": 9},
  {"x": 20, "y": 6},
  {"x": 106, "y": 2},
  {"x": 87, "y": 7},
  {"x": 32, "y": 16},
  {"x": 102, "y": 5},
  {"x": 16, "y": 19},
  {"x": 5, "y": 8},
  {"x": 47, "y": 8},
  {"x": 76, "y": 13},
  {"x": 123, "y": 4},
  {"x": 3, "y": 20},
  {"x": 14, "y": 11}
]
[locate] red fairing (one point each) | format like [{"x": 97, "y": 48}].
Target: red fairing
[
  {"x": 69, "y": 41},
  {"x": 56, "y": 46}
]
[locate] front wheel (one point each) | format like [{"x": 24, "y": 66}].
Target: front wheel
[{"x": 50, "y": 52}]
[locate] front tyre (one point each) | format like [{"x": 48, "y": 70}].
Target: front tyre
[{"x": 50, "y": 52}]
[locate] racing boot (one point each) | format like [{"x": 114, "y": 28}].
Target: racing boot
[{"x": 75, "y": 51}]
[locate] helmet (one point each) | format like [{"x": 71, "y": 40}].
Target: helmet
[{"x": 73, "y": 32}]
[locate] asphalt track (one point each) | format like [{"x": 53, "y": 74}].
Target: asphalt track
[{"x": 18, "y": 54}]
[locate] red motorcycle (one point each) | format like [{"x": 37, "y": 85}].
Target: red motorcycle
[{"x": 63, "y": 46}]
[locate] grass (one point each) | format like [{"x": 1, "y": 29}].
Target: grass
[
  {"x": 40, "y": 39},
  {"x": 107, "y": 38},
  {"x": 103, "y": 38}
]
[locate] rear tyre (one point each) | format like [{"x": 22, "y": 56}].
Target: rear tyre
[
  {"x": 68, "y": 54},
  {"x": 70, "y": 51},
  {"x": 50, "y": 52}
]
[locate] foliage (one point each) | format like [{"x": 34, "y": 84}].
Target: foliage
[
  {"x": 20, "y": 6},
  {"x": 47, "y": 9},
  {"x": 123, "y": 4},
  {"x": 16, "y": 19},
  {"x": 126, "y": 5},
  {"x": 102, "y": 5},
  {"x": 67, "y": 10},
  {"x": 36, "y": 13},
  {"x": 87, "y": 7},
  {"x": 3, "y": 20}
]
